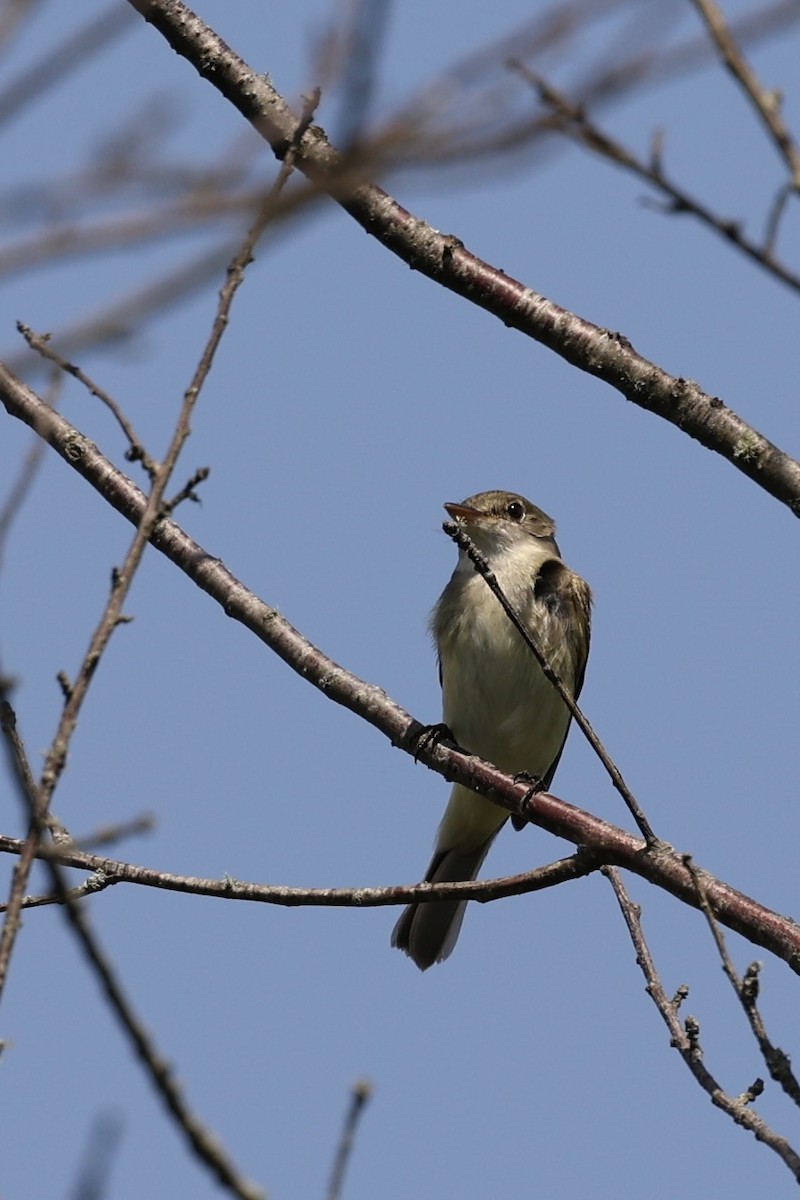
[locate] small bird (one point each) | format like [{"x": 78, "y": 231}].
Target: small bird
[{"x": 496, "y": 700}]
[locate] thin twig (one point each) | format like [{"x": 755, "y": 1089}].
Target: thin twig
[
  {"x": 234, "y": 279},
  {"x": 108, "y": 835},
  {"x": 136, "y": 452},
  {"x": 360, "y": 1095},
  {"x": 63, "y": 59},
  {"x": 89, "y": 887},
  {"x": 106, "y": 872},
  {"x": 481, "y": 128},
  {"x": 463, "y": 540},
  {"x": 777, "y": 1061},
  {"x": 56, "y": 757},
  {"x": 29, "y": 847},
  {"x": 188, "y": 491},
  {"x": 685, "y": 1038}
]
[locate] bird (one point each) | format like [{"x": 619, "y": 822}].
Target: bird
[{"x": 496, "y": 700}]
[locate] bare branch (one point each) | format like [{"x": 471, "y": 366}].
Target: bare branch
[
  {"x": 766, "y": 104},
  {"x": 359, "y": 47},
  {"x": 686, "y": 1039},
  {"x": 107, "y": 872},
  {"x": 658, "y": 864},
  {"x": 136, "y": 451},
  {"x": 777, "y": 1061},
  {"x": 465, "y": 115},
  {"x": 444, "y": 259}
]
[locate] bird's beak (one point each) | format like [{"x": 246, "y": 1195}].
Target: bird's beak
[{"x": 461, "y": 512}]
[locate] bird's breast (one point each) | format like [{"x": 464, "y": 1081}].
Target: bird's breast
[{"x": 496, "y": 698}]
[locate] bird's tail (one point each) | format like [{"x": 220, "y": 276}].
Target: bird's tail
[{"x": 427, "y": 932}]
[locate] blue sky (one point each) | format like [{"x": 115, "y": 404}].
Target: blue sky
[{"x": 350, "y": 399}]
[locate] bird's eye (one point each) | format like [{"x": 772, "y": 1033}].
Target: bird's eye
[{"x": 515, "y": 510}]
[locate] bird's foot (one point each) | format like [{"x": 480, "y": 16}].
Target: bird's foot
[
  {"x": 535, "y": 784},
  {"x": 431, "y": 735}
]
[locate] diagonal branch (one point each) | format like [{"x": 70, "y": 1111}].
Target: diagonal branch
[
  {"x": 658, "y": 864},
  {"x": 685, "y": 1038},
  {"x": 573, "y": 121},
  {"x": 443, "y": 258}
]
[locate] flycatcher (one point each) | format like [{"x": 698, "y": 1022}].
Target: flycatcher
[{"x": 495, "y": 697}]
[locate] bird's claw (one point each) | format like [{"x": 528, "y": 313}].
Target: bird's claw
[
  {"x": 432, "y": 735},
  {"x": 535, "y": 784}
]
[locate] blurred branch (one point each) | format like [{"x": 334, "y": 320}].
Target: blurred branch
[
  {"x": 485, "y": 121},
  {"x": 356, "y": 48},
  {"x": 65, "y": 58},
  {"x": 21, "y": 486},
  {"x": 116, "y": 321},
  {"x": 12, "y": 16},
  {"x": 108, "y": 835},
  {"x": 445, "y": 260},
  {"x": 360, "y": 1095},
  {"x": 660, "y": 865},
  {"x": 686, "y": 1038},
  {"x": 100, "y": 237},
  {"x": 467, "y": 112},
  {"x": 101, "y": 1150},
  {"x": 767, "y": 104}
]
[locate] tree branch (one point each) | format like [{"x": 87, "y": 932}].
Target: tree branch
[
  {"x": 443, "y": 258},
  {"x": 658, "y": 864},
  {"x": 685, "y": 1038},
  {"x": 106, "y": 872}
]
